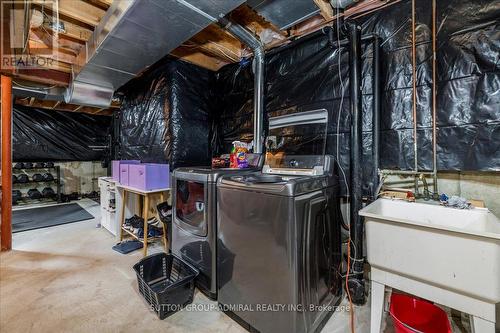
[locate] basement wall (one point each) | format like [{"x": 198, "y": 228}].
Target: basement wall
[
  {"x": 483, "y": 186},
  {"x": 314, "y": 75},
  {"x": 81, "y": 177},
  {"x": 310, "y": 75},
  {"x": 166, "y": 115},
  {"x": 76, "y": 176},
  {"x": 48, "y": 135}
]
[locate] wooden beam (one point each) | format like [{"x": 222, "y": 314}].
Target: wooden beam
[
  {"x": 6, "y": 138},
  {"x": 79, "y": 10},
  {"x": 217, "y": 42},
  {"x": 46, "y": 76},
  {"x": 103, "y": 4},
  {"x": 55, "y": 64},
  {"x": 325, "y": 8},
  {"x": 247, "y": 17},
  {"x": 198, "y": 58},
  {"x": 317, "y": 22},
  {"x": 72, "y": 30},
  {"x": 98, "y": 110},
  {"x": 62, "y": 55},
  {"x": 61, "y": 43},
  {"x": 17, "y": 22},
  {"x": 61, "y": 106}
]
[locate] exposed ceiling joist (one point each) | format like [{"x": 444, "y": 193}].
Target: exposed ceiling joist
[
  {"x": 62, "y": 43},
  {"x": 61, "y": 106},
  {"x": 199, "y": 58},
  {"x": 211, "y": 48},
  {"x": 213, "y": 40},
  {"x": 266, "y": 31},
  {"x": 45, "y": 76},
  {"x": 78, "y": 10},
  {"x": 325, "y": 8},
  {"x": 59, "y": 54},
  {"x": 70, "y": 30}
]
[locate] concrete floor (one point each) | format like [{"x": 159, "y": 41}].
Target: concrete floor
[{"x": 68, "y": 279}]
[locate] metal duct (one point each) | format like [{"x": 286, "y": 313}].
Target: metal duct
[
  {"x": 88, "y": 94},
  {"x": 132, "y": 36},
  {"x": 52, "y": 94},
  {"x": 284, "y": 13},
  {"x": 248, "y": 38}
]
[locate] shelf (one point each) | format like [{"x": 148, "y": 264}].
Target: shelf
[
  {"x": 55, "y": 182},
  {"x": 48, "y": 168},
  {"x": 25, "y": 201},
  {"x": 150, "y": 239},
  {"x": 35, "y": 182}
]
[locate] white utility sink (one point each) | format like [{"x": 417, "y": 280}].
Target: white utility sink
[{"x": 446, "y": 255}]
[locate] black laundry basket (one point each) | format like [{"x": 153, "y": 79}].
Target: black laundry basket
[{"x": 166, "y": 282}]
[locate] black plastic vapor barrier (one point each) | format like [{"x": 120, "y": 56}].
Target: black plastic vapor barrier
[
  {"x": 166, "y": 115},
  {"x": 46, "y": 135},
  {"x": 309, "y": 74}
]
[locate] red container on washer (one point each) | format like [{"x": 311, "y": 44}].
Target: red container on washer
[{"x": 411, "y": 315}]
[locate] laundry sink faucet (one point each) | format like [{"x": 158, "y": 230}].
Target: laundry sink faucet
[{"x": 426, "y": 194}]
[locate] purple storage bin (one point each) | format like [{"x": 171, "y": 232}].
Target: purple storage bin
[
  {"x": 148, "y": 176},
  {"x": 115, "y": 169},
  {"x": 124, "y": 174}
]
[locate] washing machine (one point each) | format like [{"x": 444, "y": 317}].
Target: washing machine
[
  {"x": 279, "y": 271},
  {"x": 194, "y": 232}
]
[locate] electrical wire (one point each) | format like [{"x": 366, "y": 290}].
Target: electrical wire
[
  {"x": 351, "y": 308},
  {"x": 33, "y": 87}
]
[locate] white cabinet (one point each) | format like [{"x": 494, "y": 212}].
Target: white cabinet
[{"x": 108, "y": 205}]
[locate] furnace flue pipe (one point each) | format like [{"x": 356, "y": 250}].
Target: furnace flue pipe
[
  {"x": 356, "y": 282},
  {"x": 249, "y": 39}
]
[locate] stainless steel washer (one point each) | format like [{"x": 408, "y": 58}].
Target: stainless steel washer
[
  {"x": 279, "y": 271},
  {"x": 282, "y": 250}
]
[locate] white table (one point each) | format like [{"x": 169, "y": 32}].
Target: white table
[{"x": 124, "y": 192}]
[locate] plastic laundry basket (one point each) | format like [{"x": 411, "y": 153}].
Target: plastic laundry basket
[
  {"x": 411, "y": 314},
  {"x": 166, "y": 282}
]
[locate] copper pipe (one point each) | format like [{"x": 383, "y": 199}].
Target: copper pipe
[
  {"x": 434, "y": 100},
  {"x": 6, "y": 138},
  {"x": 414, "y": 76},
  {"x": 404, "y": 172}
]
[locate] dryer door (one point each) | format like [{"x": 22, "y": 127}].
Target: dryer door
[{"x": 191, "y": 205}]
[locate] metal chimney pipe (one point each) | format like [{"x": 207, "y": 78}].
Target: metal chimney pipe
[
  {"x": 249, "y": 39},
  {"x": 356, "y": 283}
]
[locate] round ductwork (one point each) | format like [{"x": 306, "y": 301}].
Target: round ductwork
[{"x": 82, "y": 93}]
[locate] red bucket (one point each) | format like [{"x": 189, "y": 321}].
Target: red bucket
[{"x": 412, "y": 315}]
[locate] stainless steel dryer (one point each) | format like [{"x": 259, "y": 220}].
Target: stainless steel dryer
[{"x": 194, "y": 224}]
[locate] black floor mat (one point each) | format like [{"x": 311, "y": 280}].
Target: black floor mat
[{"x": 42, "y": 217}]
